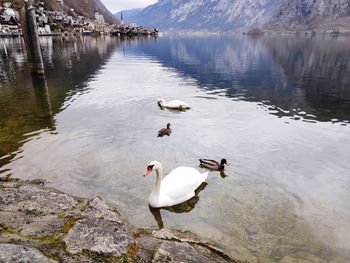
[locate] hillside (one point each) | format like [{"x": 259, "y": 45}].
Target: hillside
[
  {"x": 82, "y": 7},
  {"x": 129, "y": 15},
  {"x": 203, "y": 14},
  {"x": 88, "y": 7},
  {"x": 312, "y": 15},
  {"x": 237, "y": 15}
]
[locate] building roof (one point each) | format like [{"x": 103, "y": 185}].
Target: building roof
[
  {"x": 8, "y": 20},
  {"x": 9, "y": 12}
]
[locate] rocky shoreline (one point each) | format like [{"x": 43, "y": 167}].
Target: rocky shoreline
[{"x": 42, "y": 224}]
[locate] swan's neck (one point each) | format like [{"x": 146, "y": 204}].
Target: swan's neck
[{"x": 159, "y": 176}]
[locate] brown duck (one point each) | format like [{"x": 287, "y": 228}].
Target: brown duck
[
  {"x": 212, "y": 164},
  {"x": 165, "y": 131}
]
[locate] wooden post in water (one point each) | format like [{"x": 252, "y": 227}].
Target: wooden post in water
[{"x": 31, "y": 38}]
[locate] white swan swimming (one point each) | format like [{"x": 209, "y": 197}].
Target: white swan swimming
[
  {"x": 177, "y": 187},
  {"x": 173, "y": 104}
]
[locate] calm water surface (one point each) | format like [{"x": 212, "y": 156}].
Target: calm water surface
[{"x": 277, "y": 108}]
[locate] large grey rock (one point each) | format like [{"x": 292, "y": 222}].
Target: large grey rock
[
  {"x": 170, "y": 234},
  {"x": 35, "y": 218},
  {"x": 168, "y": 245},
  {"x": 10, "y": 253},
  {"x": 100, "y": 236},
  {"x": 35, "y": 199},
  {"x": 32, "y": 225},
  {"x": 101, "y": 230},
  {"x": 177, "y": 252},
  {"x": 97, "y": 208}
]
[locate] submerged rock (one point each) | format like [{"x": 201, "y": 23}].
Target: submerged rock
[
  {"x": 168, "y": 245},
  {"x": 40, "y": 224}
]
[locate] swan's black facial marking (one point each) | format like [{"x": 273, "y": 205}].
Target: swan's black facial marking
[{"x": 149, "y": 170}]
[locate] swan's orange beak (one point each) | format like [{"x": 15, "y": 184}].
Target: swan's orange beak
[{"x": 148, "y": 171}]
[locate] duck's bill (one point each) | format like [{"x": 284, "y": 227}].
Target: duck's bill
[{"x": 148, "y": 171}]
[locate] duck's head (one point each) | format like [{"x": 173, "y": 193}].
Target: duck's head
[
  {"x": 161, "y": 102},
  {"x": 168, "y": 126},
  {"x": 152, "y": 166},
  {"x": 223, "y": 162}
]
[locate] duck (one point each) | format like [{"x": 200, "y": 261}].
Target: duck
[
  {"x": 165, "y": 131},
  {"x": 173, "y": 104},
  {"x": 177, "y": 187},
  {"x": 213, "y": 165}
]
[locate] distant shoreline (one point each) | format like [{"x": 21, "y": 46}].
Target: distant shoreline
[
  {"x": 213, "y": 33},
  {"x": 264, "y": 32}
]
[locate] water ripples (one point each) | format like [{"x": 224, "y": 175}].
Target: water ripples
[{"x": 286, "y": 186}]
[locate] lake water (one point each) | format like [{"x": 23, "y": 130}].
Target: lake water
[{"x": 277, "y": 108}]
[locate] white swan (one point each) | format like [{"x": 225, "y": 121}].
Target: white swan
[
  {"x": 176, "y": 187},
  {"x": 173, "y": 104}
]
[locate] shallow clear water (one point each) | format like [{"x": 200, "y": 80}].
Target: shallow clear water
[{"x": 277, "y": 108}]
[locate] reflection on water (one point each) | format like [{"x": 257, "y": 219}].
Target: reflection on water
[
  {"x": 27, "y": 105},
  {"x": 276, "y": 108},
  {"x": 184, "y": 207},
  {"x": 42, "y": 98},
  {"x": 304, "y": 78}
]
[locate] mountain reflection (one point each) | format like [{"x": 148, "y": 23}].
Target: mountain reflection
[
  {"x": 26, "y": 105},
  {"x": 298, "y": 77},
  {"x": 319, "y": 67}
]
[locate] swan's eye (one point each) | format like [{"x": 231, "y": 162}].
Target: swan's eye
[{"x": 150, "y": 167}]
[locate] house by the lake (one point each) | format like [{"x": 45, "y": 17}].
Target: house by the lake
[{"x": 8, "y": 24}]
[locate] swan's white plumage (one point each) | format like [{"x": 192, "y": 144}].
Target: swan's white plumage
[
  {"x": 174, "y": 104},
  {"x": 177, "y": 187}
]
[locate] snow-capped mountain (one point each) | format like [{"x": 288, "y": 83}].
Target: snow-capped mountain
[
  {"x": 312, "y": 14},
  {"x": 207, "y": 14},
  {"x": 233, "y": 15}
]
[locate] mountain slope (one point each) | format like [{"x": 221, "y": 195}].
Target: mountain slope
[
  {"x": 208, "y": 14},
  {"x": 88, "y": 7},
  {"x": 312, "y": 14},
  {"x": 231, "y": 15},
  {"x": 129, "y": 15},
  {"x": 82, "y": 7}
]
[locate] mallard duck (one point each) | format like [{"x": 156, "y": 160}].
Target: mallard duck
[
  {"x": 177, "y": 187},
  {"x": 165, "y": 131},
  {"x": 212, "y": 164},
  {"x": 174, "y": 104}
]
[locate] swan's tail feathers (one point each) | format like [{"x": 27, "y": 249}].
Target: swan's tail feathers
[{"x": 205, "y": 175}]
